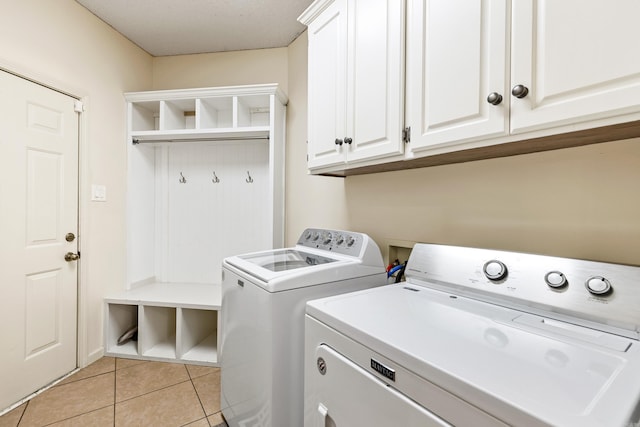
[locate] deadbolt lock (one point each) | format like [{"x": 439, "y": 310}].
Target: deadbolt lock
[{"x": 70, "y": 237}]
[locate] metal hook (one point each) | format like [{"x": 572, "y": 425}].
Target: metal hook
[
  {"x": 182, "y": 179},
  {"x": 249, "y": 179},
  {"x": 215, "y": 179}
]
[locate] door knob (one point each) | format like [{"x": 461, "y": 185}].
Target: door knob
[
  {"x": 339, "y": 141},
  {"x": 519, "y": 91},
  {"x": 348, "y": 140},
  {"x": 70, "y": 256},
  {"x": 494, "y": 98}
]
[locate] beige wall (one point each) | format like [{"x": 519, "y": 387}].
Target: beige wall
[
  {"x": 221, "y": 69},
  {"x": 578, "y": 202},
  {"x": 61, "y": 44}
]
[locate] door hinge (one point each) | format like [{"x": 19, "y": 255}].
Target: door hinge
[
  {"x": 406, "y": 134},
  {"x": 78, "y": 107}
]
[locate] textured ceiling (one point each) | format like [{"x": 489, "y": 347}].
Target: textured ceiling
[{"x": 177, "y": 27}]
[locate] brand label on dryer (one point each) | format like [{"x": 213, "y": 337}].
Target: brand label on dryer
[{"x": 383, "y": 370}]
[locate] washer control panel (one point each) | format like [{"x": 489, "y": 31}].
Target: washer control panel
[
  {"x": 597, "y": 291},
  {"x": 344, "y": 242}
]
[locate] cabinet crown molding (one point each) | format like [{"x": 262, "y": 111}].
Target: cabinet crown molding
[{"x": 316, "y": 8}]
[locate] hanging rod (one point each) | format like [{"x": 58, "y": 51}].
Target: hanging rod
[{"x": 219, "y": 139}]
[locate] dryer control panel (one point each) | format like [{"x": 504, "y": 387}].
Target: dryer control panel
[
  {"x": 344, "y": 242},
  {"x": 590, "y": 291}
]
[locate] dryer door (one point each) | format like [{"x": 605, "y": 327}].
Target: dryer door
[{"x": 347, "y": 395}]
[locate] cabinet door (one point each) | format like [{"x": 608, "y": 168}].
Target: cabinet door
[
  {"x": 327, "y": 79},
  {"x": 457, "y": 53},
  {"x": 579, "y": 59},
  {"x": 375, "y": 83}
]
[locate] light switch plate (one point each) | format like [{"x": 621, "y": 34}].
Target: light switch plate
[{"x": 98, "y": 193}]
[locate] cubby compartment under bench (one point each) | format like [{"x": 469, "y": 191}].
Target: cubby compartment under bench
[{"x": 175, "y": 322}]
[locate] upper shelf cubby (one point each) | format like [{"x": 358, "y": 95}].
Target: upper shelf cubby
[
  {"x": 233, "y": 112},
  {"x": 215, "y": 112}
]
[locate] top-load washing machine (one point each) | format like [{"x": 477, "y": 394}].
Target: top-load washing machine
[{"x": 263, "y": 300}]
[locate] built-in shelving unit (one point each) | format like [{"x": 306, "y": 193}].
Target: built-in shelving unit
[
  {"x": 205, "y": 181},
  {"x": 175, "y": 322}
]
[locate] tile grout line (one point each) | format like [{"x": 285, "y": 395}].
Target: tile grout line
[
  {"x": 76, "y": 416},
  {"x": 115, "y": 388},
  {"x": 23, "y": 412},
  {"x": 204, "y": 411},
  {"x": 82, "y": 379},
  {"x": 152, "y": 391}
]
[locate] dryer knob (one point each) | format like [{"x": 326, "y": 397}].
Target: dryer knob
[
  {"x": 555, "y": 279},
  {"x": 598, "y": 285},
  {"x": 495, "y": 270}
]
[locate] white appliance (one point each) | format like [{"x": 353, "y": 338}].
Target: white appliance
[
  {"x": 479, "y": 338},
  {"x": 263, "y": 300}
]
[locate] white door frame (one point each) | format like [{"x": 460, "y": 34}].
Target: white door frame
[{"x": 82, "y": 355}]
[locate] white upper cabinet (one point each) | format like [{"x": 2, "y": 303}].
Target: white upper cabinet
[
  {"x": 579, "y": 59},
  {"x": 356, "y": 80},
  {"x": 456, "y": 61},
  {"x": 496, "y": 71},
  {"x": 327, "y": 85},
  {"x": 479, "y": 74}
]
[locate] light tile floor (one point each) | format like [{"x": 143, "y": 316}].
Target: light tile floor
[{"x": 126, "y": 393}]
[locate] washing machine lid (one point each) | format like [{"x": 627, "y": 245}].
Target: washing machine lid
[
  {"x": 518, "y": 367},
  {"x": 286, "y": 259},
  {"x": 298, "y": 267}
]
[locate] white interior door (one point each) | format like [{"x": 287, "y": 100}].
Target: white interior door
[{"x": 38, "y": 207}]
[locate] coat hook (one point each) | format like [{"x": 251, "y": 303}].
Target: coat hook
[
  {"x": 249, "y": 179},
  {"x": 215, "y": 179},
  {"x": 182, "y": 179}
]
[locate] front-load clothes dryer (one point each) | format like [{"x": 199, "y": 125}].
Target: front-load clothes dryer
[
  {"x": 482, "y": 338},
  {"x": 263, "y": 300}
]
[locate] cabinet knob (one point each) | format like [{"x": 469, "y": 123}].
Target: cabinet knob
[
  {"x": 519, "y": 91},
  {"x": 494, "y": 98},
  {"x": 339, "y": 141},
  {"x": 348, "y": 140}
]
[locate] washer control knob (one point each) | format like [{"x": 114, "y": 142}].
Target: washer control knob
[
  {"x": 326, "y": 238},
  {"x": 555, "y": 279},
  {"x": 598, "y": 285},
  {"x": 339, "y": 239},
  {"x": 315, "y": 236},
  {"x": 495, "y": 270},
  {"x": 350, "y": 241},
  {"x": 308, "y": 235}
]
